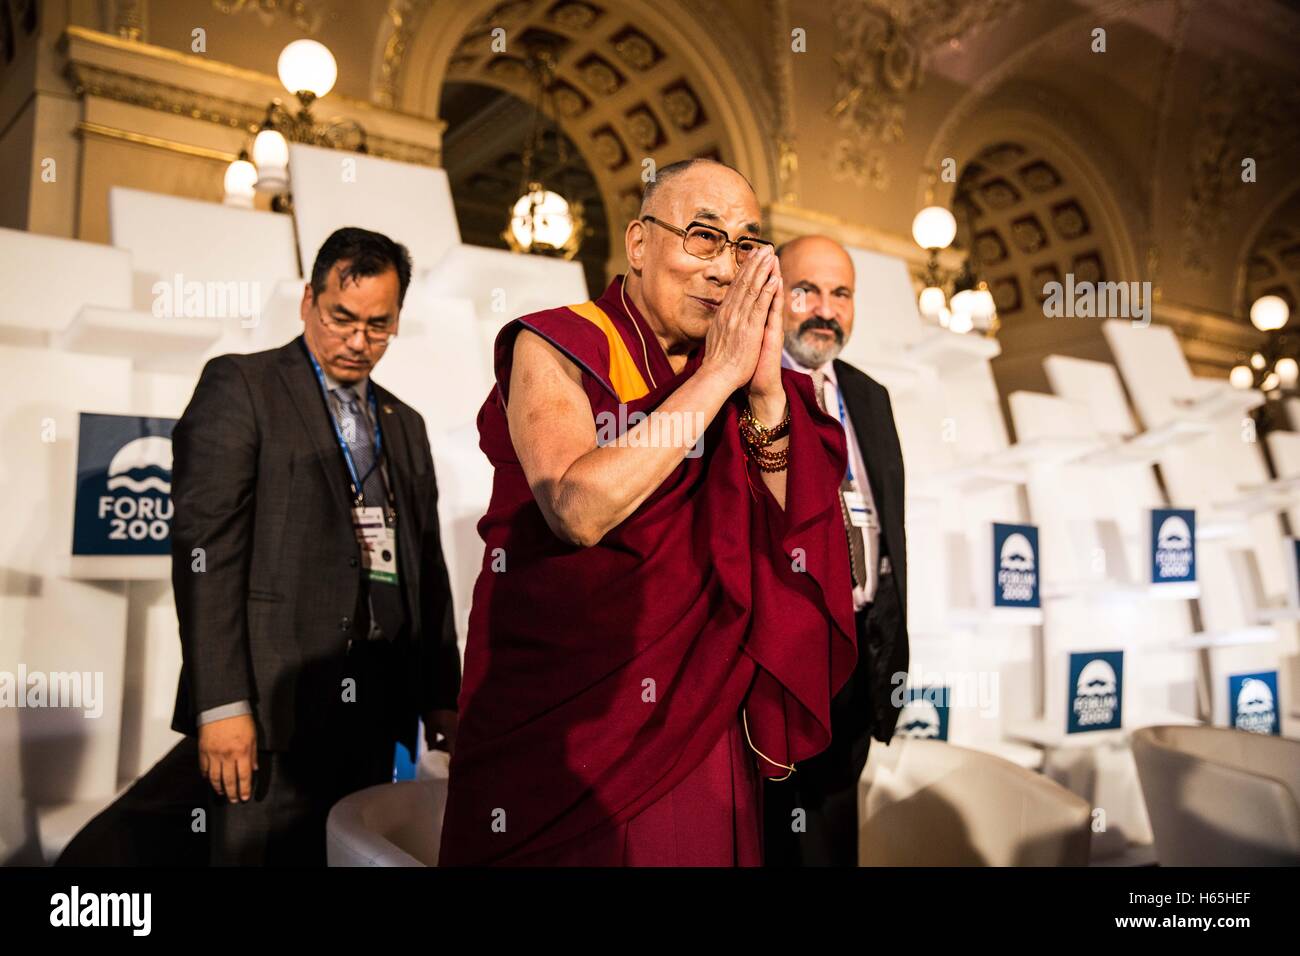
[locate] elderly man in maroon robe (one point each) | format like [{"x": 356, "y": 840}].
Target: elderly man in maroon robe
[{"x": 662, "y": 615}]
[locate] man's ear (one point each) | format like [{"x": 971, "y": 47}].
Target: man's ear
[
  {"x": 634, "y": 244},
  {"x": 305, "y": 306}
]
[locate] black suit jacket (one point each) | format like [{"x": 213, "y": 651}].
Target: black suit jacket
[
  {"x": 882, "y": 652},
  {"x": 259, "y": 484}
]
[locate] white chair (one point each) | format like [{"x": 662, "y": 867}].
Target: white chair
[
  {"x": 929, "y": 803},
  {"x": 1220, "y": 797},
  {"x": 392, "y": 824}
]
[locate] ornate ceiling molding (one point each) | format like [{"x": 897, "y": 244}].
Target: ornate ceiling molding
[
  {"x": 880, "y": 55},
  {"x": 993, "y": 83},
  {"x": 1069, "y": 140},
  {"x": 1025, "y": 226},
  {"x": 100, "y": 65},
  {"x": 787, "y": 165},
  {"x": 127, "y": 19},
  {"x": 631, "y": 85},
  {"x": 401, "y": 20},
  {"x": 1242, "y": 114},
  {"x": 306, "y": 15}
]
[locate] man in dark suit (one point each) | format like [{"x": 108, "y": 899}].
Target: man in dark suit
[
  {"x": 315, "y": 611},
  {"x": 811, "y": 818}
]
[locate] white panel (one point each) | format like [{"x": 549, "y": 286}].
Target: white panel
[
  {"x": 410, "y": 204},
  {"x": 46, "y": 281},
  {"x": 1097, "y": 386},
  {"x": 464, "y": 489},
  {"x": 505, "y": 285},
  {"x": 436, "y": 363},
  {"x": 1154, "y": 368},
  {"x": 153, "y": 666},
  {"x": 204, "y": 242},
  {"x": 47, "y": 390},
  {"x": 1285, "y": 450},
  {"x": 885, "y": 315},
  {"x": 1212, "y": 474},
  {"x": 49, "y": 623}
]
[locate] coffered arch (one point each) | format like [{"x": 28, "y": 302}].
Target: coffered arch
[
  {"x": 635, "y": 80},
  {"x": 1083, "y": 188},
  {"x": 1024, "y": 225}
]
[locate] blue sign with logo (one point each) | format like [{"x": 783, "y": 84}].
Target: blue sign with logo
[
  {"x": 925, "y": 714},
  {"x": 1096, "y": 690},
  {"x": 1173, "y": 545},
  {"x": 1252, "y": 702},
  {"x": 124, "y": 486},
  {"x": 1015, "y": 565}
]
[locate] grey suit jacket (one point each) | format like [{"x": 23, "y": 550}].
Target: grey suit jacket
[{"x": 265, "y": 567}]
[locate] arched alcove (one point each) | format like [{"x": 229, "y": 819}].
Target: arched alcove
[
  {"x": 483, "y": 149},
  {"x": 1024, "y": 224},
  {"x": 645, "y": 80}
]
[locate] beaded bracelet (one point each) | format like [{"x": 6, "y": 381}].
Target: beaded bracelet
[{"x": 756, "y": 438}]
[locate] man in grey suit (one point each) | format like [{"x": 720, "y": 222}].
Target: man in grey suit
[{"x": 315, "y": 611}]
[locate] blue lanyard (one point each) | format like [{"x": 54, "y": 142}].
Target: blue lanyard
[
  {"x": 357, "y": 482},
  {"x": 848, "y": 448}
]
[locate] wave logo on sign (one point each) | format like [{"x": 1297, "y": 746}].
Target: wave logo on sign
[
  {"x": 142, "y": 465},
  {"x": 925, "y": 715},
  {"x": 124, "y": 483},
  {"x": 1015, "y": 581},
  {"x": 1096, "y": 681},
  {"x": 1173, "y": 548},
  {"x": 1253, "y": 699}
]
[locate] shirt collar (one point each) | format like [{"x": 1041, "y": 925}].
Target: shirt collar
[
  {"x": 331, "y": 382},
  {"x": 827, "y": 368},
  {"x": 358, "y": 387}
]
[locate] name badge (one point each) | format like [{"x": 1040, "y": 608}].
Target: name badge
[
  {"x": 377, "y": 541},
  {"x": 861, "y": 514}
]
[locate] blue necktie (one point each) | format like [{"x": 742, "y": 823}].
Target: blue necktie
[
  {"x": 355, "y": 426},
  {"x": 384, "y": 602}
]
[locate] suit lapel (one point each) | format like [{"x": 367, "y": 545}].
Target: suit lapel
[
  {"x": 864, "y": 416},
  {"x": 871, "y": 424},
  {"x": 303, "y": 387}
]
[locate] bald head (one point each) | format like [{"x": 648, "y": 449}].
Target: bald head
[
  {"x": 819, "y": 284},
  {"x": 666, "y": 176},
  {"x": 816, "y": 247}
]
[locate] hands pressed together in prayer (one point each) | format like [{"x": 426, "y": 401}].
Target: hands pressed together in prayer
[{"x": 743, "y": 345}]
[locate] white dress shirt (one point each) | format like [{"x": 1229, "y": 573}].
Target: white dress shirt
[{"x": 870, "y": 535}]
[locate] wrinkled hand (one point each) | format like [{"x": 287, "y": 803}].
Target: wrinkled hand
[
  {"x": 228, "y": 756},
  {"x": 736, "y": 335},
  {"x": 766, "y": 392}
]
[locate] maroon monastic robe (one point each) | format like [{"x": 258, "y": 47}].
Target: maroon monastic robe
[{"x": 602, "y": 698}]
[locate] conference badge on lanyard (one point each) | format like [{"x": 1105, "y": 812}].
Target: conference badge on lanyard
[
  {"x": 376, "y": 533},
  {"x": 375, "y": 527}
]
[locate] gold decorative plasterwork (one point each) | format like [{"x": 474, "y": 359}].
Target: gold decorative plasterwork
[
  {"x": 787, "y": 163},
  {"x": 1242, "y": 115},
  {"x": 401, "y": 17},
  {"x": 94, "y": 69},
  {"x": 127, "y": 18},
  {"x": 304, "y": 14},
  {"x": 880, "y": 57}
]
